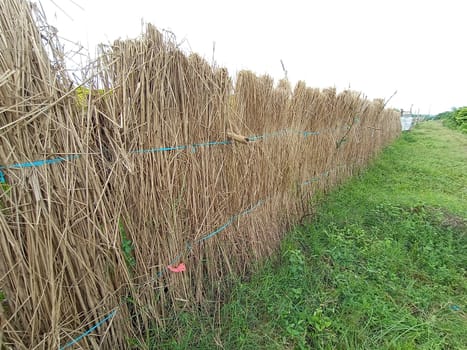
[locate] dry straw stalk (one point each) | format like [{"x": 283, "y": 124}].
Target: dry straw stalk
[{"x": 154, "y": 179}]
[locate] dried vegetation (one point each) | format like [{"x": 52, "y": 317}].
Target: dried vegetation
[{"x": 95, "y": 230}]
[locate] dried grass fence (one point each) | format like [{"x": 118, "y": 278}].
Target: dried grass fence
[{"x": 101, "y": 194}]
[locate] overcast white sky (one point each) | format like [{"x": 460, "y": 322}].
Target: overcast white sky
[{"x": 416, "y": 47}]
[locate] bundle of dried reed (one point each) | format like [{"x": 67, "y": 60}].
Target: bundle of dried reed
[{"x": 141, "y": 173}]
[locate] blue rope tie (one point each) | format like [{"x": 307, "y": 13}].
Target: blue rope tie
[
  {"x": 160, "y": 149},
  {"x": 229, "y": 222},
  {"x": 41, "y": 162},
  {"x": 153, "y": 150},
  {"x": 212, "y": 143},
  {"x": 307, "y": 182},
  {"x": 36, "y": 163},
  {"x": 182, "y": 147},
  {"x": 248, "y": 211},
  {"x": 308, "y": 133},
  {"x": 316, "y": 178},
  {"x": 218, "y": 230},
  {"x": 90, "y": 330},
  {"x": 213, "y": 233},
  {"x": 304, "y": 133},
  {"x": 272, "y": 134}
]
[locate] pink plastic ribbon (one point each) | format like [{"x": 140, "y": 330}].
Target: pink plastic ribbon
[{"x": 180, "y": 268}]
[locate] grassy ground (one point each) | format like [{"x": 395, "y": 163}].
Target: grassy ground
[{"x": 382, "y": 266}]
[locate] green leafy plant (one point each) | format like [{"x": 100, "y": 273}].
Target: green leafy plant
[
  {"x": 461, "y": 115},
  {"x": 455, "y": 119},
  {"x": 127, "y": 248},
  {"x": 296, "y": 262},
  {"x": 319, "y": 321},
  {"x": 461, "y": 118}
]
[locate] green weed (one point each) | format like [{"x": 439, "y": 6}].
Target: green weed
[{"x": 127, "y": 248}]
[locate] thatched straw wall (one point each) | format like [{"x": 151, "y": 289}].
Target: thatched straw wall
[{"x": 143, "y": 172}]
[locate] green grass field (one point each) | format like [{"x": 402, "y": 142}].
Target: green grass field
[{"x": 381, "y": 266}]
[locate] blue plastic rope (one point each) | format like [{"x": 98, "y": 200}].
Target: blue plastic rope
[
  {"x": 281, "y": 133},
  {"x": 212, "y": 143},
  {"x": 90, "y": 330},
  {"x": 218, "y": 230},
  {"x": 213, "y": 233},
  {"x": 153, "y": 150},
  {"x": 178, "y": 148},
  {"x": 256, "y": 205},
  {"x": 160, "y": 149},
  {"x": 230, "y": 221},
  {"x": 36, "y": 163},
  {"x": 315, "y": 179},
  {"x": 307, "y": 182},
  {"x": 308, "y": 133},
  {"x": 272, "y": 134},
  {"x": 304, "y": 133}
]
